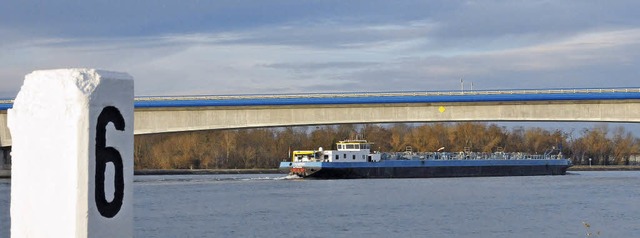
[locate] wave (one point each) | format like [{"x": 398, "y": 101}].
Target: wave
[{"x": 192, "y": 179}]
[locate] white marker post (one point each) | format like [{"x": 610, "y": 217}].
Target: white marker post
[{"x": 72, "y": 172}]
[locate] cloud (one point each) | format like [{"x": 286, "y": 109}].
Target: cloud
[
  {"x": 229, "y": 47},
  {"x": 122, "y": 18},
  {"x": 233, "y": 62}
]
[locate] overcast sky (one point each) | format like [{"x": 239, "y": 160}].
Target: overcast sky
[{"x": 186, "y": 47}]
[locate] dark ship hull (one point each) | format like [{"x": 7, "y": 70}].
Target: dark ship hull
[{"x": 426, "y": 168}]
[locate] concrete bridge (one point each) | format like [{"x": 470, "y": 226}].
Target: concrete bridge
[{"x": 189, "y": 113}]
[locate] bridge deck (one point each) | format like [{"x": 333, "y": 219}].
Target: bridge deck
[
  {"x": 382, "y": 97},
  {"x": 189, "y": 113}
]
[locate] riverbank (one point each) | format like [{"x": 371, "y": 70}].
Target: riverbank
[
  {"x": 604, "y": 168},
  {"x": 7, "y": 173},
  {"x": 204, "y": 171}
]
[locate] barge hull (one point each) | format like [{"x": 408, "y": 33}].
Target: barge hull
[
  {"x": 436, "y": 172},
  {"x": 427, "y": 169}
]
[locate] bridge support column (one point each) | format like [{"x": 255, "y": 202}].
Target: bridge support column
[
  {"x": 5, "y": 162},
  {"x": 5, "y": 157},
  {"x": 2, "y": 158},
  {"x": 72, "y": 171}
]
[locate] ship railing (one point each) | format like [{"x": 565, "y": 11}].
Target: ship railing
[
  {"x": 309, "y": 160},
  {"x": 466, "y": 156},
  {"x": 378, "y": 94}
]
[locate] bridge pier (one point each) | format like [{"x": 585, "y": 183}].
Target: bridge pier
[
  {"x": 4, "y": 158},
  {"x": 5, "y": 162}
]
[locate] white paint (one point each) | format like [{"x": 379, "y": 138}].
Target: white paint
[
  {"x": 109, "y": 187},
  {"x": 53, "y": 128}
]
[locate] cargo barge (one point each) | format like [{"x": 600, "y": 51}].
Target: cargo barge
[{"x": 354, "y": 159}]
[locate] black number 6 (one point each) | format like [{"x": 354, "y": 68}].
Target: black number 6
[{"x": 105, "y": 155}]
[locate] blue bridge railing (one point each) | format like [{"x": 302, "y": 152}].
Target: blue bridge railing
[{"x": 382, "y": 97}]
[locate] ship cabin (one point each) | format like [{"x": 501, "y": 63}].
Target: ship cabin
[{"x": 347, "y": 151}]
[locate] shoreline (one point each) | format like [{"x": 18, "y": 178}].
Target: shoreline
[
  {"x": 204, "y": 171},
  {"x": 604, "y": 168},
  {"x": 276, "y": 171},
  {"x": 6, "y": 174}
]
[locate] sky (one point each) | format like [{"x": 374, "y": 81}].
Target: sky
[{"x": 188, "y": 47}]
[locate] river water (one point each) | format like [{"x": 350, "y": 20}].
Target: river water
[{"x": 273, "y": 206}]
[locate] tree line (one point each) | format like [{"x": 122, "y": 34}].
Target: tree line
[{"x": 266, "y": 147}]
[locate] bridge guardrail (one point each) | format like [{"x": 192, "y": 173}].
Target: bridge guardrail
[
  {"x": 392, "y": 94},
  {"x": 382, "y": 94}
]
